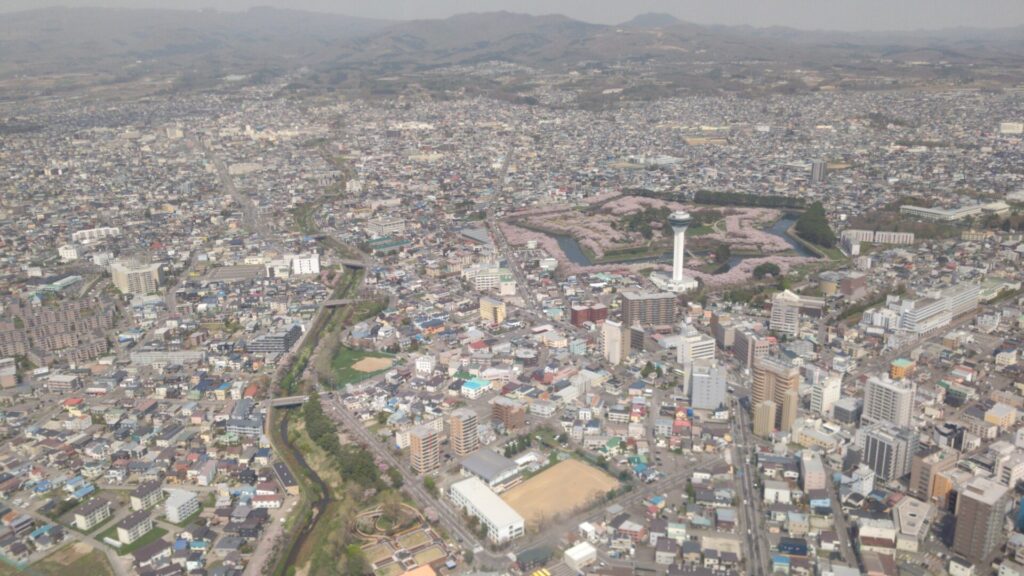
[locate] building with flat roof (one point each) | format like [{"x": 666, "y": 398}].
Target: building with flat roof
[
  {"x": 887, "y": 400},
  {"x": 647, "y": 308},
  {"x": 981, "y": 507},
  {"x": 503, "y": 524},
  {"x": 134, "y": 278},
  {"x": 180, "y": 504},
  {"x": 464, "y": 434}
]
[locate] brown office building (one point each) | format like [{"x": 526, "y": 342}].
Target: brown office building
[
  {"x": 464, "y": 435},
  {"x": 656, "y": 309},
  {"x": 510, "y": 412},
  {"x": 981, "y": 508}
]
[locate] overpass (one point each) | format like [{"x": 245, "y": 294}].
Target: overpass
[
  {"x": 288, "y": 401},
  {"x": 353, "y": 263}
]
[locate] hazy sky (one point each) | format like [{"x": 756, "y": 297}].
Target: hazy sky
[{"x": 808, "y": 14}]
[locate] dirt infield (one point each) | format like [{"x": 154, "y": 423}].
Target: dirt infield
[
  {"x": 372, "y": 364},
  {"x": 565, "y": 487}
]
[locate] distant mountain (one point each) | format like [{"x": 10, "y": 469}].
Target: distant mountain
[
  {"x": 84, "y": 40},
  {"x": 652, "y": 20}
]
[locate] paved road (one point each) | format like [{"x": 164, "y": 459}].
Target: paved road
[{"x": 759, "y": 558}]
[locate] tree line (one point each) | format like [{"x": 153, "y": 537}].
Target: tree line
[{"x": 353, "y": 461}]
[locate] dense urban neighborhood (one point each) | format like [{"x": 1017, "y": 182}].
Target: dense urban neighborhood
[{"x": 257, "y": 328}]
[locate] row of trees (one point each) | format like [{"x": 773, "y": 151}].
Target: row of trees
[
  {"x": 743, "y": 199},
  {"x": 813, "y": 226},
  {"x": 354, "y": 462}
]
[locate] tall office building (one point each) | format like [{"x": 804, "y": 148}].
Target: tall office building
[
  {"x": 785, "y": 318},
  {"x": 615, "y": 341},
  {"x": 773, "y": 379},
  {"x": 707, "y": 385},
  {"x": 131, "y": 277},
  {"x": 819, "y": 171},
  {"x": 657, "y": 309},
  {"x": 888, "y": 400},
  {"x": 509, "y": 412},
  {"x": 825, "y": 393},
  {"x": 925, "y": 467},
  {"x": 887, "y": 449},
  {"x": 748, "y": 346},
  {"x": 464, "y": 435},
  {"x": 764, "y": 418},
  {"x": 981, "y": 508},
  {"x": 424, "y": 449}
]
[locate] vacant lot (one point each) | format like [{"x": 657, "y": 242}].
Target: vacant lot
[
  {"x": 75, "y": 558},
  {"x": 561, "y": 489},
  {"x": 372, "y": 364}
]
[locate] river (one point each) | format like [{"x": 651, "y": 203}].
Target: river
[{"x": 576, "y": 255}]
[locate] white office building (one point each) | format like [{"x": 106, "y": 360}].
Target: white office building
[
  {"x": 888, "y": 400},
  {"x": 306, "y": 264},
  {"x": 825, "y": 393},
  {"x": 694, "y": 345},
  {"x": 707, "y": 385}
]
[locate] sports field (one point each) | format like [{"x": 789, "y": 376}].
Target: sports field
[{"x": 565, "y": 487}]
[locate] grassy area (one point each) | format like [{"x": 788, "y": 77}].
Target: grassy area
[
  {"x": 65, "y": 561},
  {"x": 152, "y": 536},
  {"x": 699, "y": 230}
]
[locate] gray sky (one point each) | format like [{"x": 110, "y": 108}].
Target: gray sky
[{"x": 806, "y": 14}]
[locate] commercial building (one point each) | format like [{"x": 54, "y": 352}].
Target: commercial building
[
  {"x": 503, "y": 524},
  {"x": 464, "y": 435},
  {"x": 277, "y": 342},
  {"x": 380, "y": 227},
  {"x": 887, "y": 400},
  {"x": 306, "y": 264},
  {"x": 787, "y": 308},
  {"x": 764, "y": 418},
  {"x": 180, "y": 505},
  {"x": 707, "y": 385},
  {"x": 748, "y": 346},
  {"x": 925, "y": 467},
  {"x": 511, "y": 413},
  {"x": 134, "y": 278},
  {"x": 981, "y": 508},
  {"x": 615, "y": 342},
  {"x": 492, "y": 310},
  {"x": 694, "y": 345},
  {"x": 773, "y": 379},
  {"x": 887, "y": 449},
  {"x": 825, "y": 393},
  {"x": 812, "y": 471},
  {"x": 424, "y": 449},
  {"x": 656, "y": 309}
]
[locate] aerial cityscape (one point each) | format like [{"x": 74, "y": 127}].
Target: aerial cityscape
[{"x": 295, "y": 293}]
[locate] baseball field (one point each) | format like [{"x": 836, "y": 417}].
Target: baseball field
[{"x": 563, "y": 488}]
